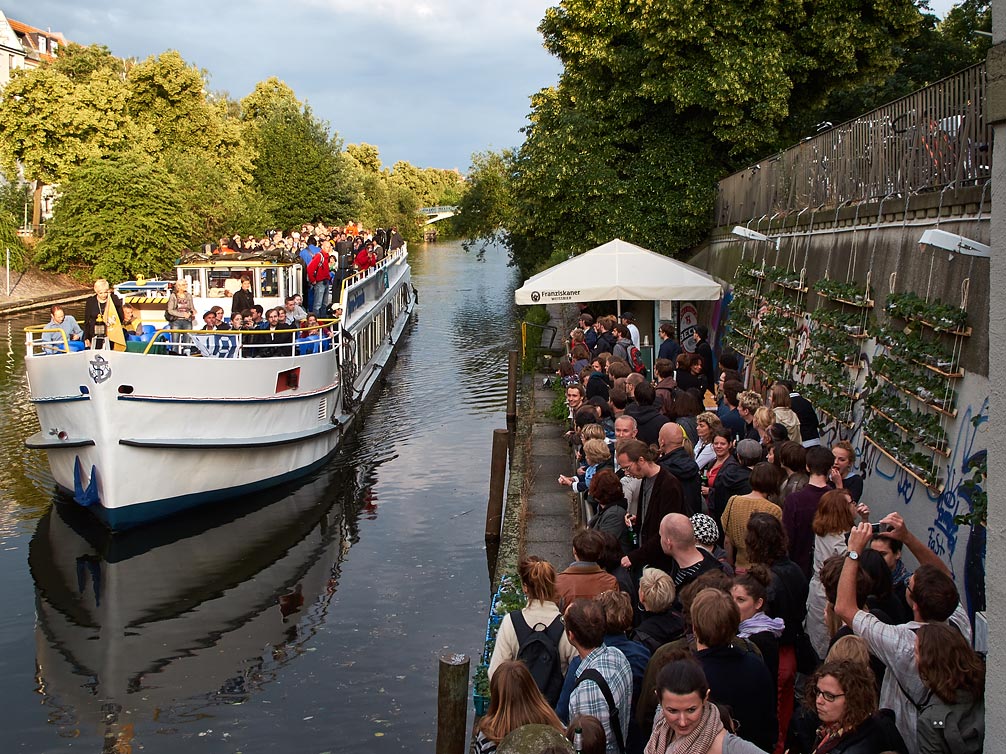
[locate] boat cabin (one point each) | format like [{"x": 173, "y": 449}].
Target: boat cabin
[{"x": 213, "y": 282}]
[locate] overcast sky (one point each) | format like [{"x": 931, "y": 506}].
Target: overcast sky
[{"x": 427, "y": 81}]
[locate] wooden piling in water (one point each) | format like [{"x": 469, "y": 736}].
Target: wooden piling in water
[
  {"x": 497, "y": 485},
  {"x": 452, "y": 704},
  {"x": 513, "y": 362}
]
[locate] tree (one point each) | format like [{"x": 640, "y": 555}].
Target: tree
[
  {"x": 118, "y": 217},
  {"x": 366, "y": 156},
  {"x": 658, "y": 100},
  {"x": 269, "y": 95},
  {"x": 55, "y": 117},
  {"x": 486, "y": 209},
  {"x": 300, "y": 169},
  {"x": 938, "y": 50}
]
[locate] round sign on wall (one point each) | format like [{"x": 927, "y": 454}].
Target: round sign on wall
[{"x": 687, "y": 322}]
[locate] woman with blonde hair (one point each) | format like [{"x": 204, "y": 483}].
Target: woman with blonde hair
[
  {"x": 782, "y": 409},
  {"x": 849, "y": 649},
  {"x": 514, "y": 701},
  {"x": 661, "y": 623},
  {"x": 597, "y": 454},
  {"x": 537, "y": 579},
  {"x": 836, "y": 514},
  {"x": 706, "y": 425}
]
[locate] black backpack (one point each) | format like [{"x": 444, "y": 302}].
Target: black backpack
[
  {"x": 593, "y": 674},
  {"x": 539, "y": 650}
]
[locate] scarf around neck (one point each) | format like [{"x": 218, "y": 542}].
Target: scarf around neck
[
  {"x": 699, "y": 741},
  {"x": 758, "y": 623}
]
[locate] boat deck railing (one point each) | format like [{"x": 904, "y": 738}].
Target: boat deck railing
[
  {"x": 221, "y": 344},
  {"x": 356, "y": 277}
]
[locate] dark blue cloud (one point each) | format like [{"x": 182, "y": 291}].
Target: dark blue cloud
[{"x": 427, "y": 82}]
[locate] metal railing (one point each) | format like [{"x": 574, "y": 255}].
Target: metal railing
[
  {"x": 928, "y": 140},
  {"x": 224, "y": 344}
]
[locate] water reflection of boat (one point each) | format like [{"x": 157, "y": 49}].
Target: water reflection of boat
[{"x": 125, "y": 634}]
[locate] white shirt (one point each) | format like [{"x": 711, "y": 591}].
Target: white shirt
[{"x": 633, "y": 334}]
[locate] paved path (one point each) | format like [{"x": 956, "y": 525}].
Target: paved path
[{"x": 551, "y": 515}]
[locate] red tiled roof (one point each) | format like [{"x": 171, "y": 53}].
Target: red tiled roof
[{"x": 24, "y": 28}]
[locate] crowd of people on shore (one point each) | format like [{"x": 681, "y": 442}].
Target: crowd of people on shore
[{"x": 729, "y": 592}]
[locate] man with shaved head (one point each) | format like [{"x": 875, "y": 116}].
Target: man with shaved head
[
  {"x": 677, "y": 540},
  {"x": 680, "y": 464},
  {"x": 625, "y": 429}
]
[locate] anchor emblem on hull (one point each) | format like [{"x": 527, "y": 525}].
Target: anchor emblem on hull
[{"x": 100, "y": 370}]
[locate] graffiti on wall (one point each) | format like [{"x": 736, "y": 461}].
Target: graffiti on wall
[{"x": 944, "y": 534}]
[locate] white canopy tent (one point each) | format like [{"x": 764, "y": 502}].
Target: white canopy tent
[{"x": 619, "y": 270}]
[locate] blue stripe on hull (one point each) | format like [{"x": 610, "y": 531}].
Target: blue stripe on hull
[{"x": 130, "y": 516}]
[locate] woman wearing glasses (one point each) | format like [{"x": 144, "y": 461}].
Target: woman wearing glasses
[{"x": 846, "y": 702}]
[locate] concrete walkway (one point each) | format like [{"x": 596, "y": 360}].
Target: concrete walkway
[{"x": 551, "y": 514}]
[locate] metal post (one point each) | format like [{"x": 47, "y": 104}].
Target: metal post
[
  {"x": 452, "y": 710},
  {"x": 8, "y": 272},
  {"x": 497, "y": 485},
  {"x": 511, "y": 386}
]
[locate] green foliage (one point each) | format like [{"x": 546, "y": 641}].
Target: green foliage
[
  {"x": 837, "y": 290},
  {"x": 486, "y": 208},
  {"x": 936, "y": 50},
  {"x": 300, "y": 169},
  {"x": 935, "y": 314},
  {"x": 657, "y": 101},
  {"x": 14, "y": 195},
  {"x": 122, "y": 216},
  {"x": 366, "y": 156},
  {"x": 230, "y": 166},
  {"x": 55, "y": 117},
  {"x": 386, "y": 204},
  {"x": 535, "y": 316},
  {"x": 974, "y": 488},
  {"x": 9, "y": 239}
]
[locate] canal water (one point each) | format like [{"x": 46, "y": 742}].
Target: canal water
[{"x": 310, "y": 619}]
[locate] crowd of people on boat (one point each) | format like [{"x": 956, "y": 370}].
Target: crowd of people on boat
[
  {"x": 729, "y": 592},
  {"x": 328, "y": 256}
]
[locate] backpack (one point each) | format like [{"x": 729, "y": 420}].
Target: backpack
[
  {"x": 592, "y": 674},
  {"x": 636, "y": 360},
  {"x": 539, "y": 650}
]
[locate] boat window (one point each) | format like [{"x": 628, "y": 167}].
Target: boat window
[
  {"x": 226, "y": 280},
  {"x": 268, "y": 283},
  {"x": 196, "y": 279}
]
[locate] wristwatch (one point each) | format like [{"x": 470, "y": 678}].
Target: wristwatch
[{"x": 853, "y": 555}]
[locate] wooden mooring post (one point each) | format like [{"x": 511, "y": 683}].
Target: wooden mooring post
[
  {"x": 452, "y": 704},
  {"x": 513, "y": 362},
  {"x": 497, "y": 485}
]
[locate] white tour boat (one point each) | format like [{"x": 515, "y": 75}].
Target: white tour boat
[{"x": 142, "y": 434}]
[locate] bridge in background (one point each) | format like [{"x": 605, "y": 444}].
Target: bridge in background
[{"x": 436, "y": 214}]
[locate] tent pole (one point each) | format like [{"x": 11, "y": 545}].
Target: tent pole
[{"x": 619, "y": 308}]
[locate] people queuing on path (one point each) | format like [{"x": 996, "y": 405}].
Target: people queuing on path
[{"x": 823, "y": 639}]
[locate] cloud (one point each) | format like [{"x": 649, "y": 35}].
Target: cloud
[{"x": 427, "y": 81}]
